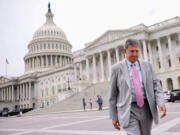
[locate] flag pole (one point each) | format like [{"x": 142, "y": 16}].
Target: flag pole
[
  {"x": 6, "y": 62},
  {"x": 6, "y": 69}
]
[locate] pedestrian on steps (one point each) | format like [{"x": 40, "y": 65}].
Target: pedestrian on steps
[{"x": 84, "y": 104}]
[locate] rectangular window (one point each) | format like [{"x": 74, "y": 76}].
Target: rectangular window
[
  {"x": 169, "y": 62},
  {"x": 166, "y": 45},
  {"x": 159, "y": 64}
]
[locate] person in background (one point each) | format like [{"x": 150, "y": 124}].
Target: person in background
[
  {"x": 100, "y": 102},
  {"x": 84, "y": 104},
  {"x": 90, "y": 103}
]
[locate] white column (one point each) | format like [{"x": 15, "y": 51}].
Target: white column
[
  {"x": 7, "y": 89},
  {"x": 5, "y": 97},
  {"x": 117, "y": 55},
  {"x": 56, "y": 63},
  {"x": 39, "y": 58},
  {"x": 160, "y": 54},
  {"x": 23, "y": 92},
  {"x": 6, "y": 94},
  {"x": 87, "y": 68},
  {"x": 42, "y": 61},
  {"x": 62, "y": 58},
  {"x": 47, "y": 64},
  {"x": 178, "y": 38},
  {"x": 33, "y": 61},
  {"x": 3, "y": 94},
  {"x": 17, "y": 98},
  {"x": 0, "y": 94},
  {"x": 102, "y": 66},
  {"x": 51, "y": 60},
  {"x": 67, "y": 60},
  {"x": 80, "y": 68},
  {"x": 20, "y": 91},
  {"x": 10, "y": 93},
  {"x": 109, "y": 62},
  {"x": 24, "y": 85},
  {"x": 171, "y": 52},
  {"x": 75, "y": 72},
  {"x": 29, "y": 90},
  {"x": 38, "y": 62},
  {"x": 150, "y": 53},
  {"x": 94, "y": 69},
  {"x": 60, "y": 61},
  {"x": 145, "y": 50},
  {"x": 12, "y": 98}
]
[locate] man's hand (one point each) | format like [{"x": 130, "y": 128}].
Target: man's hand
[
  {"x": 162, "y": 110},
  {"x": 116, "y": 123}
]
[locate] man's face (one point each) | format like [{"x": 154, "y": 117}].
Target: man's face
[{"x": 132, "y": 53}]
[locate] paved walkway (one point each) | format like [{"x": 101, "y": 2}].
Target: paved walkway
[{"x": 82, "y": 123}]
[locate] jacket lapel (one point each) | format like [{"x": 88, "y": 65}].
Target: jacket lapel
[
  {"x": 143, "y": 73},
  {"x": 126, "y": 72}
]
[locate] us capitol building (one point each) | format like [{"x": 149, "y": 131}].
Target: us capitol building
[{"x": 53, "y": 72}]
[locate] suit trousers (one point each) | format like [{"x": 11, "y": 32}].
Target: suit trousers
[{"x": 140, "y": 120}]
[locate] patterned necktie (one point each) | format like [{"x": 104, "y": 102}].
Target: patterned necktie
[{"x": 137, "y": 87}]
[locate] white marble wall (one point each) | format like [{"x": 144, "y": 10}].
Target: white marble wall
[{"x": 162, "y": 53}]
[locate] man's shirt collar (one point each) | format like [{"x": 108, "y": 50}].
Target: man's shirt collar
[{"x": 129, "y": 63}]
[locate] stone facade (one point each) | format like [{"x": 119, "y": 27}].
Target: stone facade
[
  {"x": 53, "y": 73},
  {"x": 160, "y": 45},
  {"x": 48, "y": 76}
]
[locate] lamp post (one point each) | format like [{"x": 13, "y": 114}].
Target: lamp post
[{"x": 68, "y": 84}]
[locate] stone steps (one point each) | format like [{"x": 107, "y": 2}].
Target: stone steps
[{"x": 74, "y": 102}]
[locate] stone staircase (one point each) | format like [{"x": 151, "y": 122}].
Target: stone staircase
[{"x": 74, "y": 102}]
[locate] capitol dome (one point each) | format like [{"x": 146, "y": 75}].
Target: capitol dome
[
  {"x": 49, "y": 47},
  {"x": 49, "y": 29}
]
